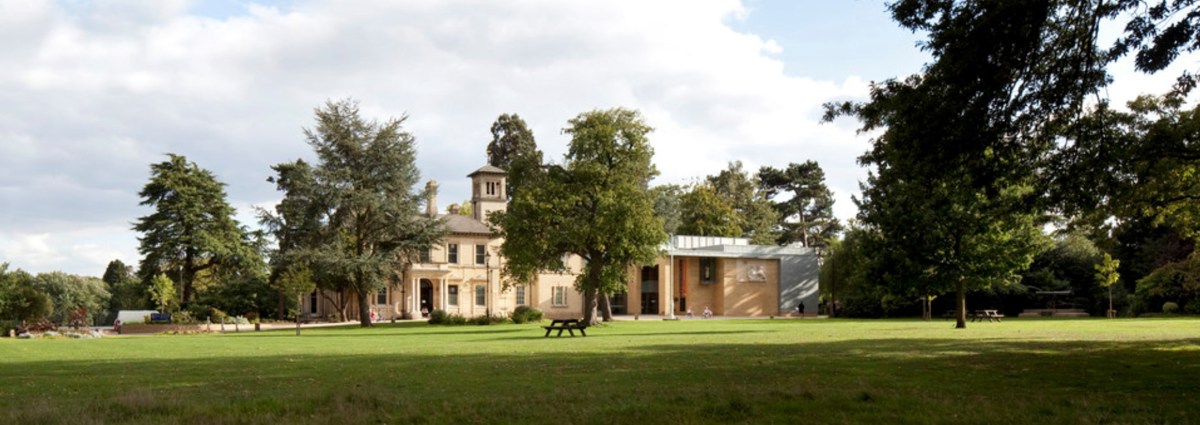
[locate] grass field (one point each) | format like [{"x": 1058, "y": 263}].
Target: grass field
[{"x": 685, "y": 372}]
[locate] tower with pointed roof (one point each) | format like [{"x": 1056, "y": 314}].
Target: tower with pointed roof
[{"x": 488, "y": 191}]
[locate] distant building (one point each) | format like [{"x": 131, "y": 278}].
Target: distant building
[{"x": 461, "y": 275}]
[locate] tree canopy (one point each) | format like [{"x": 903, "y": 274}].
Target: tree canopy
[
  {"x": 806, "y": 217},
  {"x": 192, "y": 227},
  {"x": 596, "y": 205},
  {"x": 354, "y": 217}
]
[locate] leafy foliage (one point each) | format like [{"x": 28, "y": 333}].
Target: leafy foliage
[
  {"x": 755, "y": 215},
  {"x": 511, "y": 138},
  {"x": 192, "y": 227},
  {"x": 595, "y": 205},
  {"x": 162, "y": 292},
  {"x": 807, "y": 216},
  {"x": 20, "y": 300},
  {"x": 705, "y": 213},
  {"x": 667, "y": 206},
  {"x": 353, "y": 218},
  {"x": 69, "y": 293},
  {"x": 526, "y": 314}
]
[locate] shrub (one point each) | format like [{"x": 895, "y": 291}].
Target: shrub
[
  {"x": 481, "y": 320},
  {"x": 1170, "y": 307},
  {"x": 1192, "y": 307},
  {"x": 183, "y": 318},
  {"x": 438, "y": 317},
  {"x": 524, "y": 314},
  {"x": 456, "y": 319}
]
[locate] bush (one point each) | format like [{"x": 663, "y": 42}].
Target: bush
[
  {"x": 456, "y": 319},
  {"x": 525, "y": 314},
  {"x": 183, "y": 318},
  {"x": 438, "y": 317},
  {"x": 1192, "y": 307},
  {"x": 481, "y": 320},
  {"x": 1170, "y": 307}
]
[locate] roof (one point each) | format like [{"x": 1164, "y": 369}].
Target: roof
[
  {"x": 466, "y": 225},
  {"x": 487, "y": 169},
  {"x": 706, "y": 246}
]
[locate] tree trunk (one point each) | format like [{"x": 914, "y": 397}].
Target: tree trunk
[
  {"x": 300, "y": 301},
  {"x": 926, "y": 306},
  {"x": 589, "y": 306},
  {"x": 282, "y": 310},
  {"x": 960, "y": 306},
  {"x": 364, "y": 308},
  {"x": 605, "y": 308}
]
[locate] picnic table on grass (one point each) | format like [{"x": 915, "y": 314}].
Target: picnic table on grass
[
  {"x": 989, "y": 315},
  {"x": 569, "y": 325}
]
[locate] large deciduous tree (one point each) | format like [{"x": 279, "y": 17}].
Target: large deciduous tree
[
  {"x": 806, "y": 217},
  {"x": 667, "y": 206},
  {"x": 354, "y": 217},
  {"x": 743, "y": 191},
  {"x": 595, "y": 205},
  {"x": 511, "y": 138},
  {"x": 961, "y": 143},
  {"x": 705, "y": 213},
  {"x": 191, "y": 229},
  {"x": 127, "y": 292}
]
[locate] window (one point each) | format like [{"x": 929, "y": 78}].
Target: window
[
  {"x": 491, "y": 188},
  {"x": 425, "y": 255},
  {"x": 381, "y": 296},
  {"x": 480, "y": 254},
  {"x": 312, "y": 302},
  {"x": 560, "y": 296},
  {"x": 521, "y": 295},
  {"x": 566, "y": 261},
  {"x": 452, "y": 298},
  {"x": 708, "y": 270},
  {"x": 452, "y": 253},
  {"x": 480, "y": 295}
]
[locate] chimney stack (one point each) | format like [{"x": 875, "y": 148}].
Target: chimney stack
[{"x": 431, "y": 203}]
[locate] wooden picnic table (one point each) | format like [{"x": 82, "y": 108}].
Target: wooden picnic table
[
  {"x": 989, "y": 315},
  {"x": 569, "y": 325}
]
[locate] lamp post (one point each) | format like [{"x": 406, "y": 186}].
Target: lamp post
[{"x": 487, "y": 295}]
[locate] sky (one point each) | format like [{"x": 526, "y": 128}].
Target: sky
[{"x": 96, "y": 91}]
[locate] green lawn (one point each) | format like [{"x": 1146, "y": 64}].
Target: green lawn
[{"x": 690, "y": 371}]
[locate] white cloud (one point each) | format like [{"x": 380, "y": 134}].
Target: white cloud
[{"x": 102, "y": 90}]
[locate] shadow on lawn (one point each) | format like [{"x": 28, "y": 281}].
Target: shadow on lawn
[{"x": 880, "y": 380}]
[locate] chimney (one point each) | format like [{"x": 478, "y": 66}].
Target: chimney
[{"x": 431, "y": 203}]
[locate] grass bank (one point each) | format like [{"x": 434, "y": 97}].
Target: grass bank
[{"x": 690, "y": 371}]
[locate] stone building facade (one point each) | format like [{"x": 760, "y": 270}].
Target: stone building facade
[{"x": 461, "y": 275}]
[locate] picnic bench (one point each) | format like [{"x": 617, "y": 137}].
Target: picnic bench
[
  {"x": 989, "y": 315},
  {"x": 569, "y": 325}
]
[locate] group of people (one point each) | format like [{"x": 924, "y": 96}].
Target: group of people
[{"x": 708, "y": 314}]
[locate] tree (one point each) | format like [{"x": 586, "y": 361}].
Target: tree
[
  {"x": 964, "y": 141},
  {"x": 162, "y": 292},
  {"x": 511, "y": 138},
  {"x": 355, "y": 215},
  {"x": 1106, "y": 276},
  {"x": 192, "y": 227},
  {"x": 667, "y": 200},
  {"x": 755, "y": 215},
  {"x": 595, "y": 205},
  {"x": 127, "y": 292},
  {"x": 69, "y": 293},
  {"x": 807, "y": 216},
  {"x": 704, "y": 213},
  {"x": 293, "y": 283},
  {"x": 19, "y": 299},
  {"x": 1135, "y": 163}
]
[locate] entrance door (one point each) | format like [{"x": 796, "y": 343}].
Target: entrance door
[
  {"x": 426, "y": 297},
  {"x": 650, "y": 290}
]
